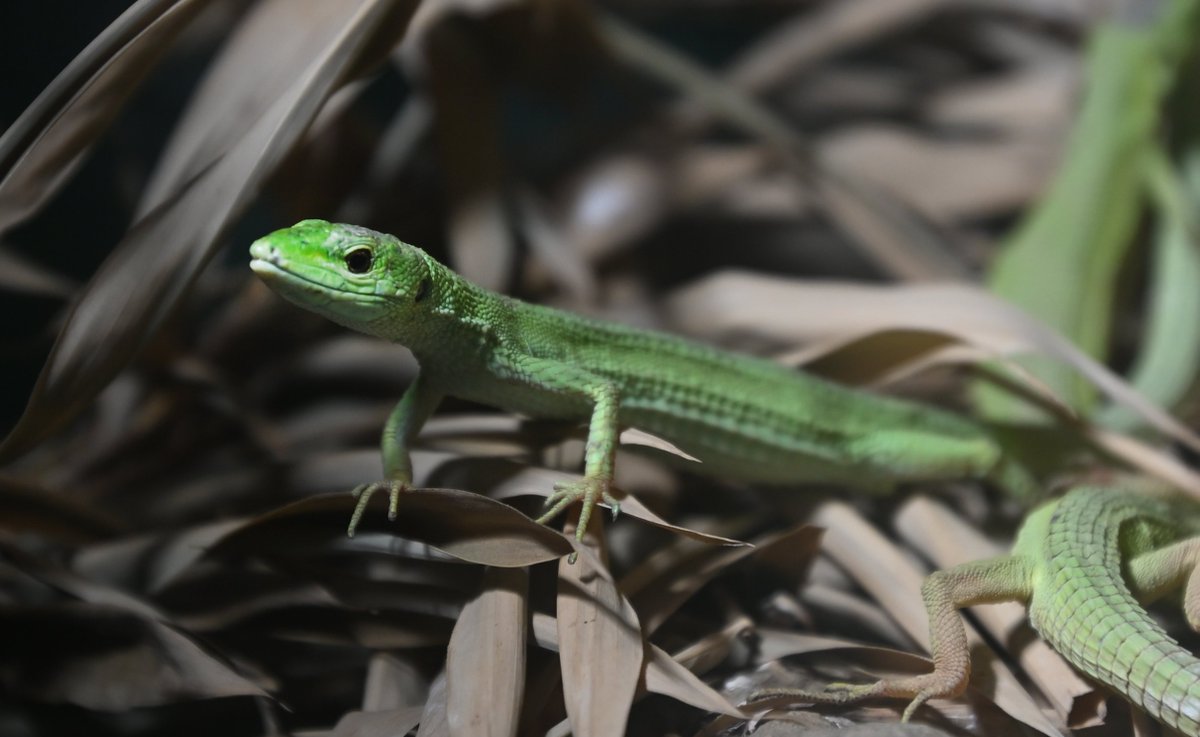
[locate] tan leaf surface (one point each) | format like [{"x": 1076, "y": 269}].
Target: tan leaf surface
[
  {"x": 467, "y": 526},
  {"x": 601, "y": 646},
  {"x": 485, "y": 664}
]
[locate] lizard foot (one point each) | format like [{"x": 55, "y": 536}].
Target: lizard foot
[
  {"x": 918, "y": 688},
  {"x": 364, "y": 492},
  {"x": 587, "y": 490}
]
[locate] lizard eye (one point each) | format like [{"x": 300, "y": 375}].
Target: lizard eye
[
  {"x": 422, "y": 290},
  {"x": 359, "y": 260}
]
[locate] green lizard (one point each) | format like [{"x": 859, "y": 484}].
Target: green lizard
[
  {"x": 743, "y": 417},
  {"x": 1081, "y": 564}
]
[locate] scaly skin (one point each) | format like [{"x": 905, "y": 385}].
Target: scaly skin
[
  {"x": 743, "y": 417},
  {"x": 1082, "y": 564},
  {"x": 1079, "y": 592}
]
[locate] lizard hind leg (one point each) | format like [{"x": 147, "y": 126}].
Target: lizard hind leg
[
  {"x": 918, "y": 689},
  {"x": 944, "y": 592},
  {"x": 1153, "y": 574}
]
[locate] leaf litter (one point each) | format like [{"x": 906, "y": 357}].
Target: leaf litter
[{"x": 174, "y": 498}]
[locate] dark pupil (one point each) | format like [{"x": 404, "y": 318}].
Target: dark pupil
[
  {"x": 422, "y": 290},
  {"x": 358, "y": 261}
]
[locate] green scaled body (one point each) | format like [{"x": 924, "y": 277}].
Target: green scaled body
[
  {"x": 743, "y": 417},
  {"x": 1089, "y": 558},
  {"x": 1084, "y": 565}
]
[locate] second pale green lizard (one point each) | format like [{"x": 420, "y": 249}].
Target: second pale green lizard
[
  {"x": 1083, "y": 564},
  {"x": 743, "y": 417}
]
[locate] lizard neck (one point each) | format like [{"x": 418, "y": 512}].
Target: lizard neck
[{"x": 457, "y": 317}]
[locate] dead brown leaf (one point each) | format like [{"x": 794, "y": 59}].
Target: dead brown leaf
[
  {"x": 161, "y": 255},
  {"x": 485, "y": 663},
  {"x": 44, "y": 147},
  {"x": 658, "y": 592},
  {"x": 466, "y": 526},
  {"x": 601, "y": 647}
]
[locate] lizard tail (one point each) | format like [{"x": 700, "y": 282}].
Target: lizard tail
[
  {"x": 1089, "y": 614},
  {"x": 1136, "y": 657}
]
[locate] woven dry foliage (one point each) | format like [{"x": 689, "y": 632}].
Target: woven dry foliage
[{"x": 780, "y": 178}]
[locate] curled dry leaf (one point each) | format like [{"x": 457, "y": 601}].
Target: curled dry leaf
[
  {"x": 658, "y": 592},
  {"x": 713, "y": 649},
  {"x": 659, "y": 677},
  {"x": 540, "y": 482},
  {"x": 637, "y": 510},
  {"x": 665, "y": 675},
  {"x": 634, "y": 436},
  {"x": 464, "y": 525}
]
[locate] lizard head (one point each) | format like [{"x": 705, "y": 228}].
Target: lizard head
[{"x": 368, "y": 281}]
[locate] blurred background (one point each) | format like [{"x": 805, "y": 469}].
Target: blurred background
[{"x": 700, "y": 167}]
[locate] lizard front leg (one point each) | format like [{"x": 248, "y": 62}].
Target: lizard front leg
[
  {"x": 574, "y": 383},
  {"x": 945, "y": 592},
  {"x": 401, "y": 428}
]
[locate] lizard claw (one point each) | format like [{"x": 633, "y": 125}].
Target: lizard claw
[
  {"x": 364, "y": 492},
  {"x": 587, "y": 490},
  {"x": 833, "y": 693},
  {"x": 918, "y": 688}
]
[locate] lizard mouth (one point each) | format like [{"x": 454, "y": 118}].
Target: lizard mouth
[{"x": 271, "y": 272}]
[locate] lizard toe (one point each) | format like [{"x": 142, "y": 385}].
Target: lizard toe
[{"x": 364, "y": 492}]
